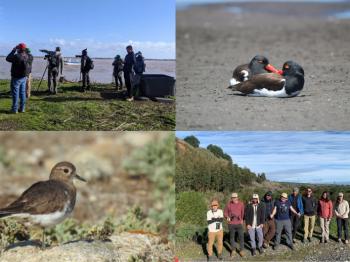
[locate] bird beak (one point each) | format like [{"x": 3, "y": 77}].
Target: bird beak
[
  {"x": 270, "y": 68},
  {"x": 79, "y": 177},
  {"x": 280, "y": 72}
]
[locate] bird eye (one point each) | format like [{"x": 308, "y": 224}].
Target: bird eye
[
  {"x": 286, "y": 66},
  {"x": 66, "y": 171},
  {"x": 261, "y": 61}
]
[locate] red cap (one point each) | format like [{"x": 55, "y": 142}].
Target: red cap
[{"x": 21, "y": 46}]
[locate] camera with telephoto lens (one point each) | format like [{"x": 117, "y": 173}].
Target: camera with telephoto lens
[
  {"x": 283, "y": 209},
  {"x": 47, "y": 57},
  {"x": 232, "y": 217},
  {"x": 81, "y": 55}
]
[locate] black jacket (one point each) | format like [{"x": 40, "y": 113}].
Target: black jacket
[
  {"x": 310, "y": 205},
  {"x": 249, "y": 214},
  {"x": 265, "y": 202},
  {"x": 83, "y": 64},
  {"x": 129, "y": 62},
  {"x": 16, "y": 60}
]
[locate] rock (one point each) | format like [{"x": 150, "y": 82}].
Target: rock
[{"x": 119, "y": 248}]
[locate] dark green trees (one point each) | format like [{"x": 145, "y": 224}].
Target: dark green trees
[{"x": 192, "y": 140}]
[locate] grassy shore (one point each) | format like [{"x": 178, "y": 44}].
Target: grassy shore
[{"x": 104, "y": 108}]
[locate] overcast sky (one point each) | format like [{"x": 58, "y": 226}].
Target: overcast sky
[
  {"x": 105, "y": 27},
  {"x": 303, "y": 157}
]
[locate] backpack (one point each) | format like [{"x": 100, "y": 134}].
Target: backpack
[
  {"x": 54, "y": 61},
  {"x": 89, "y": 64},
  {"x": 25, "y": 67},
  {"x": 138, "y": 67},
  {"x": 120, "y": 67}
]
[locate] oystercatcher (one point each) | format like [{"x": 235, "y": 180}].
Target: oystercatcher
[
  {"x": 288, "y": 82},
  {"x": 46, "y": 203},
  {"x": 259, "y": 64}
]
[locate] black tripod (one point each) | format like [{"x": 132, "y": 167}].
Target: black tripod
[{"x": 41, "y": 80}]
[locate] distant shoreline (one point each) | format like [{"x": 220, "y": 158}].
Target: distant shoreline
[{"x": 150, "y": 59}]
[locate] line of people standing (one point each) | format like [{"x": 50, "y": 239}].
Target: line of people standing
[{"x": 267, "y": 217}]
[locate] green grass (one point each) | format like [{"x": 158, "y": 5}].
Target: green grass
[{"x": 103, "y": 108}]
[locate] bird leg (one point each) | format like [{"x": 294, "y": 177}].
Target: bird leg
[{"x": 43, "y": 238}]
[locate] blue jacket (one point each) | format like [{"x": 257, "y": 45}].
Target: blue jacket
[{"x": 300, "y": 203}]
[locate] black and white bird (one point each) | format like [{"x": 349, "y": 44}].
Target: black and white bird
[
  {"x": 288, "y": 82},
  {"x": 46, "y": 203},
  {"x": 258, "y": 65}
]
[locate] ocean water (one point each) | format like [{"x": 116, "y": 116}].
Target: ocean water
[{"x": 102, "y": 73}]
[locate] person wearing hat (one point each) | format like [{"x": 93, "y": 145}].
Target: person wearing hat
[
  {"x": 85, "y": 70},
  {"x": 128, "y": 62},
  {"x": 30, "y": 60},
  {"x": 269, "y": 228},
  {"x": 282, "y": 209},
  {"x": 297, "y": 204},
  {"x": 310, "y": 208},
  {"x": 234, "y": 213},
  {"x": 342, "y": 212},
  {"x": 140, "y": 65},
  {"x": 18, "y": 77},
  {"x": 215, "y": 229},
  {"x": 118, "y": 71},
  {"x": 324, "y": 213},
  {"x": 254, "y": 219},
  {"x": 55, "y": 62}
]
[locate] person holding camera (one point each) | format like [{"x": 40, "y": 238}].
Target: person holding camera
[
  {"x": 19, "y": 72},
  {"x": 342, "y": 212},
  {"x": 215, "y": 229},
  {"x": 269, "y": 228},
  {"x": 310, "y": 208},
  {"x": 234, "y": 213},
  {"x": 118, "y": 71},
  {"x": 55, "y": 60},
  {"x": 254, "y": 219},
  {"x": 283, "y": 208},
  {"x": 128, "y": 62},
  {"x": 297, "y": 204},
  {"x": 324, "y": 213},
  {"x": 30, "y": 60}
]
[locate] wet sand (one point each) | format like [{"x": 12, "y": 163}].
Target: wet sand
[{"x": 212, "y": 42}]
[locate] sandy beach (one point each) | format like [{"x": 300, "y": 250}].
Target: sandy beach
[{"x": 211, "y": 42}]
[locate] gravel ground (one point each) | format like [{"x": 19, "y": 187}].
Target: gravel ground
[{"x": 211, "y": 42}]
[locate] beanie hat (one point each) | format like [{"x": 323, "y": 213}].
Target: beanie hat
[
  {"x": 58, "y": 48},
  {"x": 129, "y": 47},
  {"x": 21, "y": 46},
  {"x": 118, "y": 56},
  {"x": 28, "y": 50},
  {"x": 269, "y": 193}
]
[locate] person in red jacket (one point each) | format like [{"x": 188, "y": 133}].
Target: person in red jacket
[
  {"x": 234, "y": 213},
  {"x": 324, "y": 213}
]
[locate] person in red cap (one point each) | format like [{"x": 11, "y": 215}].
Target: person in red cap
[
  {"x": 215, "y": 217},
  {"x": 19, "y": 72}
]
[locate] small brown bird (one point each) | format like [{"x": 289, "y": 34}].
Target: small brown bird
[{"x": 46, "y": 203}]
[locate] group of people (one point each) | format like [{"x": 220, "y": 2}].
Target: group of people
[
  {"x": 267, "y": 217},
  {"x": 21, "y": 70}
]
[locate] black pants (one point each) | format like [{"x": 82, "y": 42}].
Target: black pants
[
  {"x": 120, "y": 81},
  {"x": 343, "y": 222},
  {"x": 52, "y": 74},
  {"x": 128, "y": 77},
  {"x": 294, "y": 219},
  {"x": 86, "y": 80},
  {"x": 239, "y": 229}
]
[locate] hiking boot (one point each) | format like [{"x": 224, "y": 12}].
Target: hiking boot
[
  {"x": 310, "y": 239},
  {"x": 304, "y": 240},
  {"x": 275, "y": 247},
  {"x": 339, "y": 240},
  {"x": 294, "y": 240},
  {"x": 292, "y": 247},
  {"x": 233, "y": 253},
  {"x": 12, "y": 112},
  {"x": 210, "y": 258},
  {"x": 220, "y": 256},
  {"x": 242, "y": 254},
  {"x": 253, "y": 252},
  {"x": 346, "y": 241},
  {"x": 266, "y": 245},
  {"x": 261, "y": 250},
  {"x": 21, "y": 111},
  {"x": 130, "y": 99}
]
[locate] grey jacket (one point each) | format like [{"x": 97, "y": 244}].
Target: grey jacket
[{"x": 343, "y": 209}]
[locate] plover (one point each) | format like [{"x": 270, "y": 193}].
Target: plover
[
  {"x": 288, "y": 82},
  {"x": 46, "y": 203},
  {"x": 258, "y": 65}
]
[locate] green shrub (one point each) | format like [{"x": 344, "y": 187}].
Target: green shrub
[
  {"x": 189, "y": 233},
  {"x": 191, "y": 208}
]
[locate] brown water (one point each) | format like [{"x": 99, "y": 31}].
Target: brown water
[{"x": 102, "y": 73}]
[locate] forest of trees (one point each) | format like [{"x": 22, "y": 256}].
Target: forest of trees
[{"x": 196, "y": 172}]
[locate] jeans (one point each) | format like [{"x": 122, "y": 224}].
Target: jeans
[
  {"x": 18, "y": 91},
  {"x": 287, "y": 228},
  {"x": 259, "y": 232},
  {"x": 343, "y": 222},
  {"x": 294, "y": 218},
  {"x": 239, "y": 229}
]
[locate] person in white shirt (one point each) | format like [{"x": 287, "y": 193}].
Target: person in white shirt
[
  {"x": 214, "y": 218},
  {"x": 342, "y": 212}
]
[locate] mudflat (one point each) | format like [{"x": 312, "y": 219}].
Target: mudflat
[{"x": 211, "y": 42}]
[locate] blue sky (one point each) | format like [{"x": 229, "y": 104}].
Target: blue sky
[
  {"x": 105, "y": 27},
  {"x": 302, "y": 157}
]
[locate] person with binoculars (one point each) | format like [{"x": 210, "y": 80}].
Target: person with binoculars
[
  {"x": 234, "y": 213},
  {"x": 215, "y": 217},
  {"x": 282, "y": 209}
]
